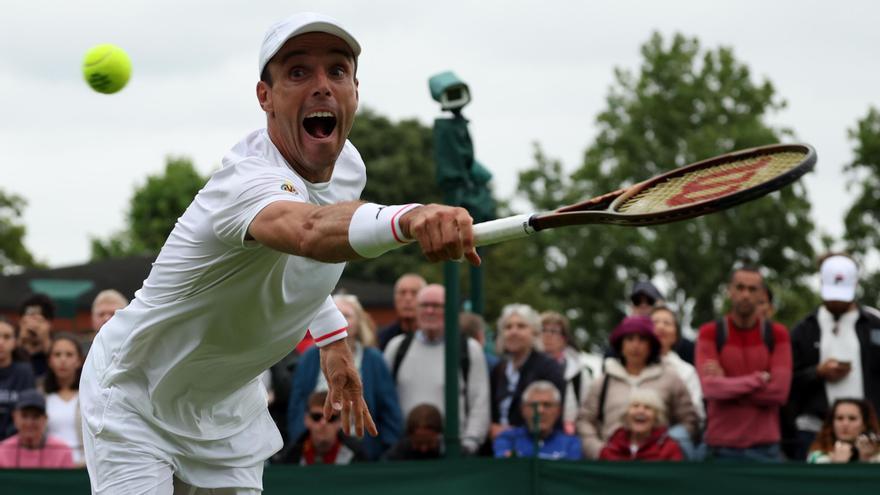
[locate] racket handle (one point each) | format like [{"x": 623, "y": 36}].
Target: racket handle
[{"x": 503, "y": 229}]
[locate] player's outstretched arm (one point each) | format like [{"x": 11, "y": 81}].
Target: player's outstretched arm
[
  {"x": 346, "y": 391},
  {"x": 354, "y": 230}
]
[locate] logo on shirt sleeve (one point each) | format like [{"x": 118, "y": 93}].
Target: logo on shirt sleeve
[{"x": 288, "y": 187}]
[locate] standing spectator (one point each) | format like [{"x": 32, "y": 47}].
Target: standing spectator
[
  {"x": 850, "y": 434},
  {"x": 643, "y": 298},
  {"x": 322, "y": 442},
  {"x": 378, "y": 387},
  {"x": 519, "y": 327},
  {"x": 744, "y": 363},
  {"x": 35, "y": 331},
  {"x": 541, "y": 409},
  {"x": 406, "y": 289},
  {"x": 61, "y": 387},
  {"x": 417, "y": 362},
  {"x": 424, "y": 436},
  {"x": 474, "y": 326},
  {"x": 643, "y": 435},
  {"x": 638, "y": 367},
  {"x": 835, "y": 350},
  {"x": 32, "y": 447},
  {"x": 15, "y": 376},
  {"x": 559, "y": 346},
  {"x": 105, "y": 305}
]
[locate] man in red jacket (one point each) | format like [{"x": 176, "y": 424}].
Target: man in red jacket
[{"x": 746, "y": 374}]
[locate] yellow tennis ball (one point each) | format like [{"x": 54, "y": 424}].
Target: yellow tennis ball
[{"x": 106, "y": 68}]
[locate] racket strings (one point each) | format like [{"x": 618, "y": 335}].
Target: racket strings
[{"x": 712, "y": 182}]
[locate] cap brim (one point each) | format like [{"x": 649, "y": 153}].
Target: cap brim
[{"x": 836, "y": 293}]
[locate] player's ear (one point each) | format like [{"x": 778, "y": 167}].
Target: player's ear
[
  {"x": 357, "y": 95},
  {"x": 264, "y": 96}
]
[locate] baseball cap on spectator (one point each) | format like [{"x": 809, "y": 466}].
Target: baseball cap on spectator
[
  {"x": 302, "y": 23},
  {"x": 636, "y": 325},
  {"x": 31, "y": 399},
  {"x": 647, "y": 289},
  {"x": 839, "y": 279}
]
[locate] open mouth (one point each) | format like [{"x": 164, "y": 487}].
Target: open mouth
[{"x": 319, "y": 125}]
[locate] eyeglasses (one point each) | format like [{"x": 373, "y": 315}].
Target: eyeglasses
[
  {"x": 318, "y": 416},
  {"x": 544, "y": 404},
  {"x": 429, "y": 305},
  {"x": 552, "y": 330}
]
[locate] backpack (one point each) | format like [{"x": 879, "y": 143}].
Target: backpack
[
  {"x": 721, "y": 332},
  {"x": 464, "y": 359}
]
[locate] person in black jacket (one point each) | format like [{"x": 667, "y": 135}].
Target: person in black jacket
[
  {"x": 518, "y": 331},
  {"x": 835, "y": 353}
]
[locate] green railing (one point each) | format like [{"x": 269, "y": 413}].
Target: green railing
[{"x": 521, "y": 477}]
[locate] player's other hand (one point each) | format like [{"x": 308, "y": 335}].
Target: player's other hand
[
  {"x": 443, "y": 232},
  {"x": 345, "y": 396}
]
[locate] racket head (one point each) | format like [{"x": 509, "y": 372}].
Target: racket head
[{"x": 704, "y": 187}]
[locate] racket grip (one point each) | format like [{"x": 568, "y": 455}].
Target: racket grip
[{"x": 503, "y": 229}]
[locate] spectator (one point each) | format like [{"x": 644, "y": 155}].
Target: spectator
[
  {"x": 322, "y": 442},
  {"x": 424, "y": 436},
  {"x": 643, "y": 299},
  {"x": 766, "y": 307},
  {"x": 835, "y": 352},
  {"x": 666, "y": 329},
  {"x": 474, "y": 326},
  {"x": 744, "y": 363},
  {"x": 643, "y": 435},
  {"x": 541, "y": 410},
  {"x": 35, "y": 331},
  {"x": 105, "y": 305},
  {"x": 417, "y": 362},
  {"x": 15, "y": 376},
  {"x": 519, "y": 327},
  {"x": 61, "y": 387},
  {"x": 638, "y": 367},
  {"x": 32, "y": 447},
  {"x": 379, "y": 392},
  {"x": 850, "y": 434},
  {"x": 406, "y": 289},
  {"x": 559, "y": 346}
]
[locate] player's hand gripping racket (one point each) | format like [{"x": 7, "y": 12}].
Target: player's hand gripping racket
[{"x": 686, "y": 192}]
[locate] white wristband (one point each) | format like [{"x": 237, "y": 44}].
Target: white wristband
[{"x": 375, "y": 229}]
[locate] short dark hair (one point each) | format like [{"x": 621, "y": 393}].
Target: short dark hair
[
  {"x": 745, "y": 267},
  {"x": 424, "y": 416},
  {"x": 471, "y": 324},
  {"x": 47, "y": 306},
  {"x": 317, "y": 399}
]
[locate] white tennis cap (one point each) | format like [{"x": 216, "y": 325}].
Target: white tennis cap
[
  {"x": 839, "y": 279},
  {"x": 302, "y": 23}
]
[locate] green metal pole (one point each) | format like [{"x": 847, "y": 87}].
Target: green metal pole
[{"x": 450, "y": 276}]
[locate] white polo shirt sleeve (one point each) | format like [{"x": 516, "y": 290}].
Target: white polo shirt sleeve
[
  {"x": 238, "y": 193},
  {"x": 328, "y": 325}
]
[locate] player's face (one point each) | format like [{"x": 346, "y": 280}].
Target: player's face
[
  {"x": 64, "y": 359},
  {"x": 848, "y": 423},
  {"x": 664, "y": 329},
  {"x": 547, "y": 408},
  {"x": 311, "y": 103},
  {"x": 405, "y": 293},
  {"x": 636, "y": 349},
  {"x": 102, "y": 313},
  {"x": 744, "y": 291},
  {"x": 519, "y": 336},
  {"x": 640, "y": 418}
]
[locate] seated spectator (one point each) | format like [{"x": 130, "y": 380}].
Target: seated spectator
[
  {"x": 322, "y": 442},
  {"x": 424, "y": 436},
  {"x": 643, "y": 436},
  {"x": 850, "y": 433},
  {"x": 666, "y": 329},
  {"x": 15, "y": 375},
  {"x": 32, "y": 447},
  {"x": 541, "y": 409},
  {"x": 473, "y": 326},
  {"x": 35, "y": 331},
  {"x": 61, "y": 387},
  {"x": 518, "y": 329},
  {"x": 638, "y": 367},
  {"x": 378, "y": 386},
  {"x": 559, "y": 346}
]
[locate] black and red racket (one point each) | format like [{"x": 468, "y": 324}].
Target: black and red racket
[{"x": 686, "y": 192}]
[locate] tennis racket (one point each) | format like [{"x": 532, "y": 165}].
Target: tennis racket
[{"x": 686, "y": 192}]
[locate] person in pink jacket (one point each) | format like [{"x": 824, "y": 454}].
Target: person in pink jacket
[{"x": 32, "y": 447}]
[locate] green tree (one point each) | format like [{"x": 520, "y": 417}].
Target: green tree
[
  {"x": 862, "y": 220},
  {"x": 153, "y": 210},
  {"x": 13, "y": 253},
  {"x": 684, "y": 104}
]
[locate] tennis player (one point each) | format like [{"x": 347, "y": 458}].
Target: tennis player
[{"x": 171, "y": 400}]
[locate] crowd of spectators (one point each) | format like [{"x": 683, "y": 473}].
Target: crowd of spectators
[{"x": 746, "y": 389}]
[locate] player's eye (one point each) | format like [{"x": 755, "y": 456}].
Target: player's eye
[
  {"x": 338, "y": 71},
  {"x": 297, "y": 72}
]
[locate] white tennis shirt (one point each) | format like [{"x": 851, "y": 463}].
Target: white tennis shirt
[{"x": 217, "y": 310}]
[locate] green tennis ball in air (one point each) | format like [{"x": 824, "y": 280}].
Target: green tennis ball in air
[{"x": 106, "y": 68}]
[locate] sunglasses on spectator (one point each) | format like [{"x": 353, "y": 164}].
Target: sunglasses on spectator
[
  {"x": 640, "y": 299},
  {"x": 318, "y": 416}
]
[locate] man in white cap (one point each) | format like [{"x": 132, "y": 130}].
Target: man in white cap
[
  {"x": 835, "y": 353},
  {"x": 170, "y": 393}
]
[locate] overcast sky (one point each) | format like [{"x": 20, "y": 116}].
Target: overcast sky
[{"x": 539, "y": 72}]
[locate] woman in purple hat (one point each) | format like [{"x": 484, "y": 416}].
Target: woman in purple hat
[{"x": 637, "y": 366}]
